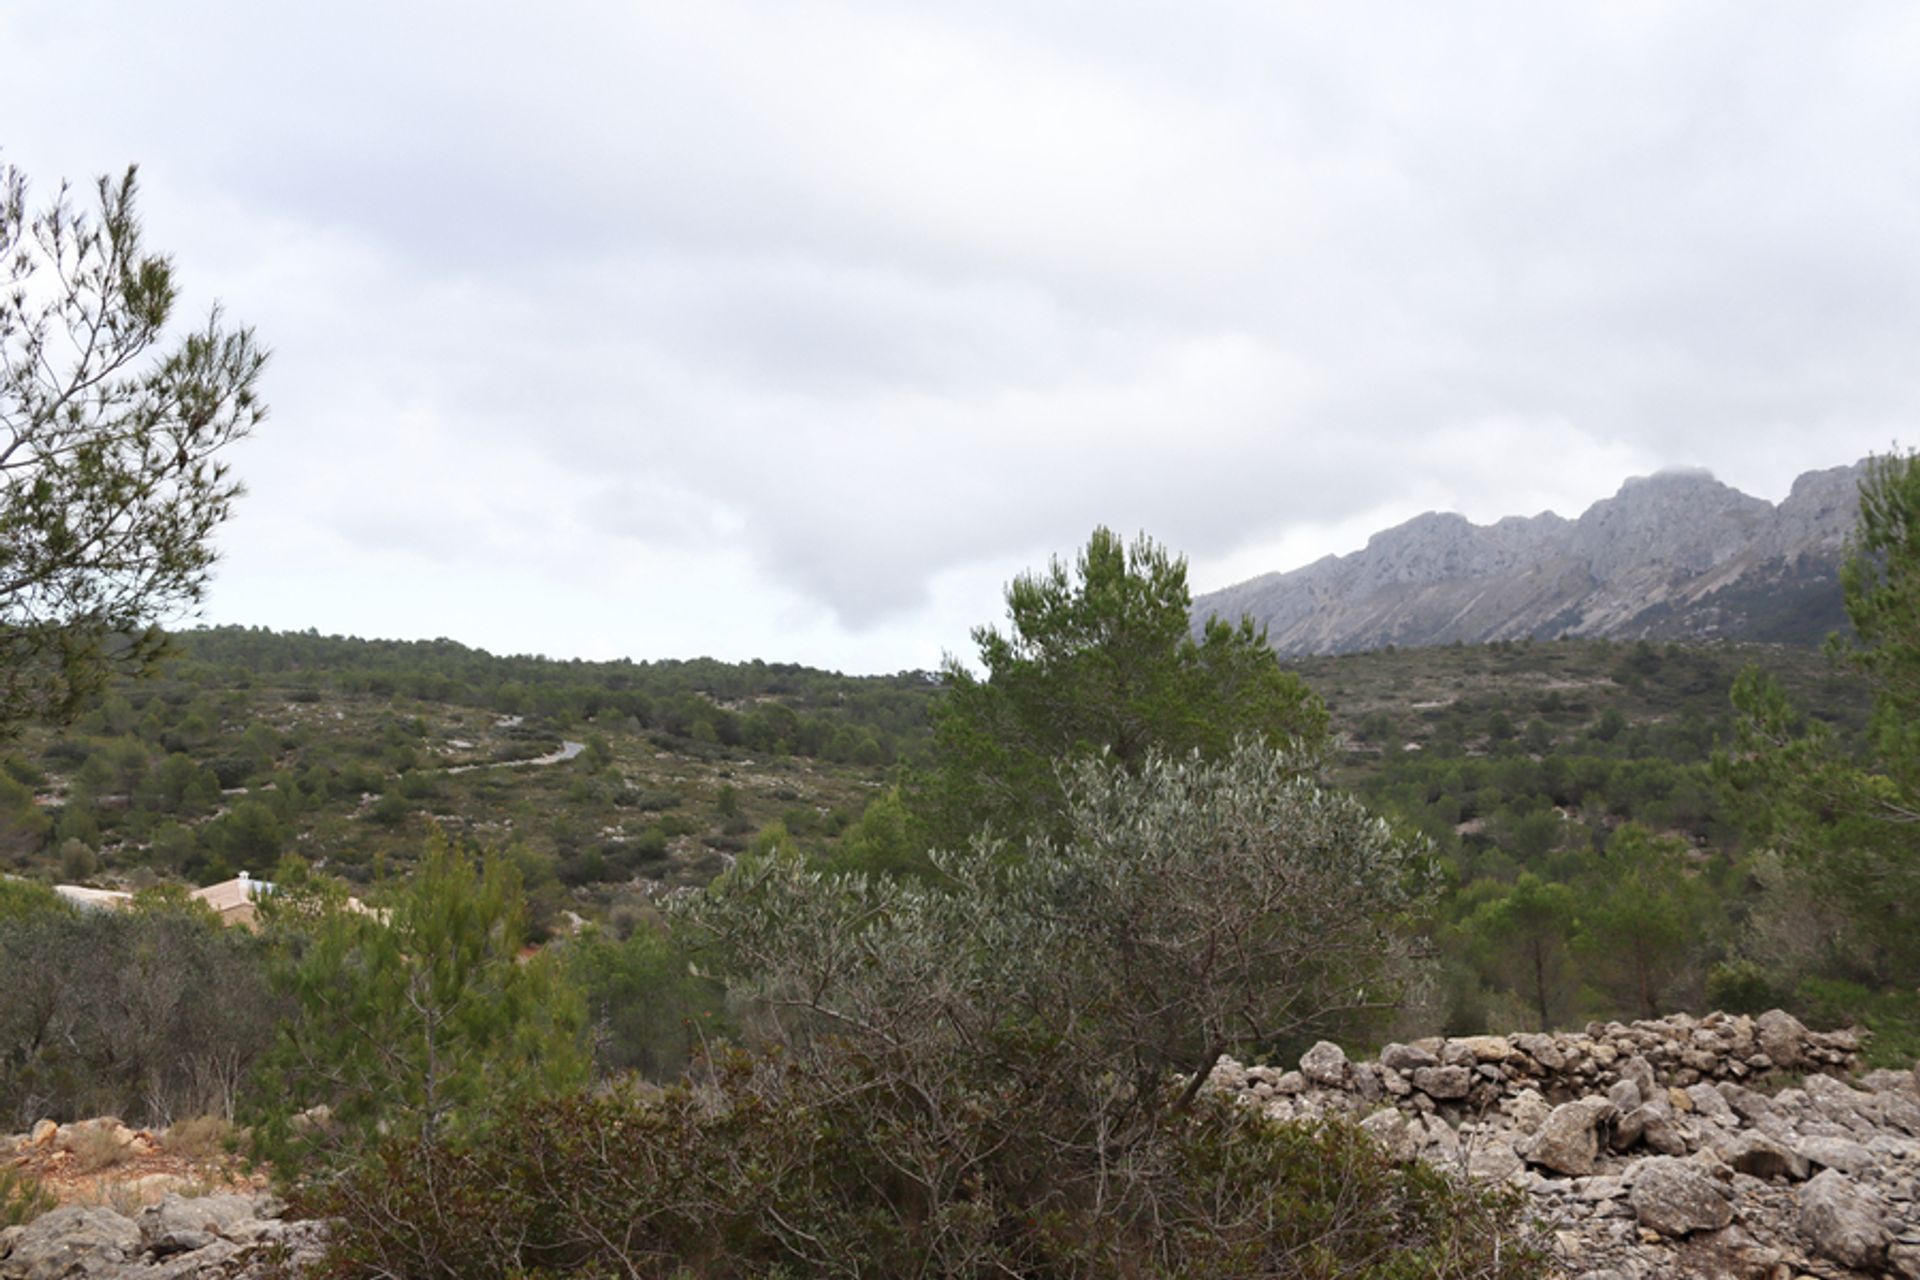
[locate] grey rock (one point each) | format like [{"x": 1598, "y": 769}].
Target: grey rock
[
  {"x": 1325, "y": 1063},
  {"x": 1843, "y": 1220},
  {"x": 1782, "y": 1037},
  {"x": 1888, "y": 1081},
  {"x": 1843, "y": 1154},
  {"x": 1754, "y": 1153},
  {"x": 1407, "y": 1057},
  {"x": 1654, "y": 560},
  {"x": 1677, "y": 1198},
  {"x": 72, "y": 1243},
  {"x": 1708, "y": 1102},
  {"x": 208, "y": 1261},
  {"x": 1443, "y": 1084},
  {"x": 1640, "y": 1072},
  {"x": 1390, "y": 1129},
  {"x": 179, "y": 1224},
  {"x": 1569, "y": 1141}
]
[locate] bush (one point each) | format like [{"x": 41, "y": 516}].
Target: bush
[
  {"x": 412, "y": 1019},
  {"x": 98, "y": 1147},
  {"x": 198, "y": 1138},
  {"x": 144, "y": 1014},
  {"x": 766, "y": 1172},
  {"x": 22, "y": 1198}
]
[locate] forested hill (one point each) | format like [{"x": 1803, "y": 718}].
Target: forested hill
[
  {"x": 758, "y": 705},
  {"x": 1674, "y": 556}
]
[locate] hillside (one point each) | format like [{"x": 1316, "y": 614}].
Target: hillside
[
  {"x": 611, "y": 779},
  {"x": 616, "y": 779},
  {"x": 1674, "y": 556}
]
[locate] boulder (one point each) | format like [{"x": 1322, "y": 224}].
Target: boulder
[
  {"x": 1407, "y": 1057},
  {"x": 179, "y": 1224},
  {"x": 1677, "y": 1198},
  {"x": 1486, "y": 1048},
  {"x": 1569, "y": 1140},
  {"x": 1390, "y": 1129},
  {"x": 1325, "y": 1064},
  {"x": 1528, "y": 1110},
  {"x": 1640, "y": 1071},
  {"x": 1843, "y": 1154},
  {"x": 73, "y": 1243},
  {"x": 1757, "y": 1155},
  {"x": 1782, "y": 1037},
  {"x": 1843, "y": 1220},
  {"x": 1443, "y": 1084}
]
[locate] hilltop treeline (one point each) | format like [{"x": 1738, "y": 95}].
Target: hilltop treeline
[{"x": 760, "y": 706}]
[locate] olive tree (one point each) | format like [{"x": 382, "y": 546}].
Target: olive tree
[
  {"x": 1194, "y": 907},
  {"x": 111, "y": 428}
]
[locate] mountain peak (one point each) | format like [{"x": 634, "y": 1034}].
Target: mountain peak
[{"x": 1672, "y": 555}]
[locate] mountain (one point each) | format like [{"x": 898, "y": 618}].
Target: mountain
[{"x": 1673, "y": 556}]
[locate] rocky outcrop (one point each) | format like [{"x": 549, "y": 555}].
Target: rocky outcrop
[
  {"x": 1675, "y": 556},
  {"x": 1727, "y": 1147},
  {"x": 218, "y": 1237}
]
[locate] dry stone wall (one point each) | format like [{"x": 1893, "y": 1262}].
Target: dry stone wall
[{"x": 1719, "y": 1146}]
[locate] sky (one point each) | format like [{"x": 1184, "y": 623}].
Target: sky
[{"x": 795, "y": 330}]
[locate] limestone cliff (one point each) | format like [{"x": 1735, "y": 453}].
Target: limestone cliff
[{"x": 1673, "y": 556}]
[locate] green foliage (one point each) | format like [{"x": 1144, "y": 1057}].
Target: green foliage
[
  {"x": 1099, "y": 659},
  {"x": 1851, "y": 823},
  {"x": 1524, "y": 937},
  {"x": 1891, "y": 1016},
  {"x": 647, "y": 1011},
  {"x": 411, "y": 1019},
  {"x": 769, "y": 1172},
  {"x": 110, "y": 481},
  {"x": 1194, "y": 907},
  {"x": 881, "y": 842},
  {"x": 23, "y": 899},
  {"x": 144, "y": 1014},
  {"x": 1645, "y": 920},
  {"x": 22, "y": 1197}
]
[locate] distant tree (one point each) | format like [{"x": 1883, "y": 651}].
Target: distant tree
[
  {"x": 415, "y": 1018},
  {"x": 1646, "y": 920},
  {"x": 1851, "y": 825},
  {"x": 1524, "y": 939},
  {"x": 110, "y": 484},
  {"x": 1098, "y": 659}
]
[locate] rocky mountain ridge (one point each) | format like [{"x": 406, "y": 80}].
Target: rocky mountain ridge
[{"x": 1673, "y": 556}]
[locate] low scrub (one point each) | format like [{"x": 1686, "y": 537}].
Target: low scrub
[
  {"x": 199, "y": 1138},
  {"x": 22, "y": 1198},
  {"x": 762, "y": 1173}
]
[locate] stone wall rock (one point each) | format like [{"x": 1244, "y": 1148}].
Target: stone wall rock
[{"x": 1663, "y": 1148}]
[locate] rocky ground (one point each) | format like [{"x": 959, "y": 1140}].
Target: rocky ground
[
  {"x": 1685, "y": 1147},
  {"x": 1727, "y": 1147},
  {"x": 132, "y": 1204}
]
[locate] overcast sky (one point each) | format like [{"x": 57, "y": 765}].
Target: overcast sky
[{"x": 793, "y": 330}]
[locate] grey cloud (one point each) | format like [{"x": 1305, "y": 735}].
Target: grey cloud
[{"x": 871, "y": 294}]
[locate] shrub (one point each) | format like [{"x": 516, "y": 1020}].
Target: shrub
[
  {"x": 143, "y": 1014},
  {"x": 98, "y": 1147},
  {"x": 198, "y": 1138},
  {"x": 22, "y": 1198},
  {"x": 763, "y": 1171},
  {"x": 409, "y": 1020}
]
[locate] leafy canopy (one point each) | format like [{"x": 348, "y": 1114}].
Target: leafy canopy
[
  {"x": 415, "y": 1018},
  {"x": 110, "y": 485},
  {"x": 1099, "y": 658},
  {"x": 1851, "y": 827}
]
